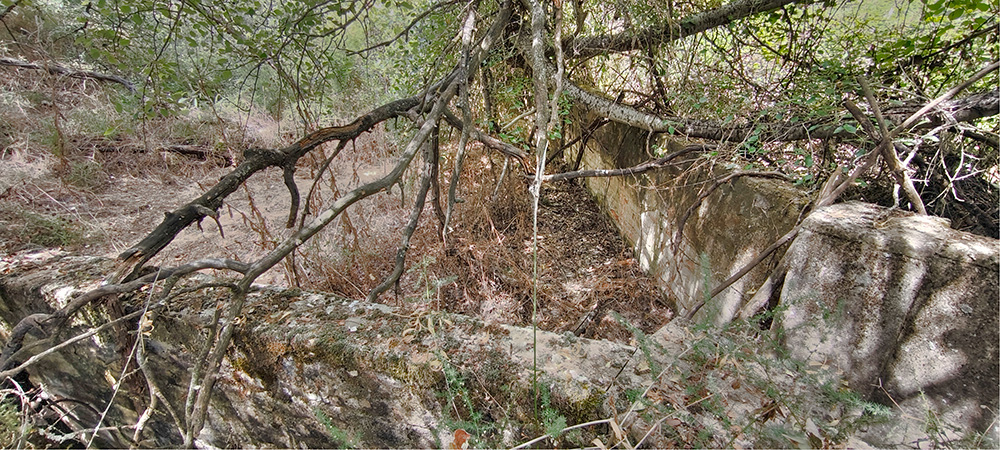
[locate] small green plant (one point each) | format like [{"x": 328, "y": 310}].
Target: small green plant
[
  {"x": 645, "y": 344},
  {"x": 552, "y": 421},
  {"x": 87, "y": 175},
  {"x": 11, "y": 426},
  {"x": 460, "y": 402},
  {"x": 46, "y": 230},
  {"x": 341, "y": 437}
]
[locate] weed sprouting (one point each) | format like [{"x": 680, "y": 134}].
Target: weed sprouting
[
  {"x": 12, "y": 428},
  {"x": 341, "y": 437},
  {"x": 645, "y": 344},
  {"x": 726, "y": 369},
  {"x": 47, "y": 230},
  {"x": 552, "y": 422},
  {"x": 87, "y": 175},
  {"x": 460, "y": 408}
]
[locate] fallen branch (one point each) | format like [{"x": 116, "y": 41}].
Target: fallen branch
[
  {"x": 256, "y": 160},
  {"x": 634, "y": 170},
  {"x": 55, "y": 69},
  {"x": 202, "y": 152},
  {"x": 889, "y": 155},
  {"x": 35, "y": 358},
  {"x": 49, "y": 323},
  {"x": 489, "y": 141},
  {"x": 905, "y": 126},
  {"x": 201, "y": 389},
  {"x": 411, "y": 226}
]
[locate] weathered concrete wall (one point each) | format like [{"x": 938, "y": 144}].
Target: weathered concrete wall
[
  {"x": 729, "y": 228},
  {"x": 902, "y": 307},
  {"x": 905, "y": 307}
]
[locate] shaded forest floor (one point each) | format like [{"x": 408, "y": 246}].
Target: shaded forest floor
[{"x": 101, "y": 199}]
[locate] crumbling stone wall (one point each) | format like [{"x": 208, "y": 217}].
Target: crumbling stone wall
[
  {"x": 726, "y": 230},
  {"x": 904, "y": 307}
]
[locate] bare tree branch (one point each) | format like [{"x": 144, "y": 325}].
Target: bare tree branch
[
  {"x": 406, "y": 29},
  {"x": 55, "y": 69},
  {"x": 411, "y": 225},
  {"x": 201, "y": 387},
  {"x": 463, "y": 93},
  {"x": 907, "y": 124},
  {"x": 489, "y": 141},
  {"x": 196, "y": 420},
  {"x": 634, "y": 170},
  {"x": 256, "y": 160},
  {"x": 896, "y": 167},
  {"x": 976, "y": 106},
  {"x": 837, "y": 184},
  {"x": 48, "y": 323},
  {"x": 670, "y": 30}
]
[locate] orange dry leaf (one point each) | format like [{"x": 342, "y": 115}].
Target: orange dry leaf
[{"x": 461, "y": 440}]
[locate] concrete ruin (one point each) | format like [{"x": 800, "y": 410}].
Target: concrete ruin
[{"x": 902, "y": 307}]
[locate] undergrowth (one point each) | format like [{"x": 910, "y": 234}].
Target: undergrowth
[{"x": 12, "y": 428}]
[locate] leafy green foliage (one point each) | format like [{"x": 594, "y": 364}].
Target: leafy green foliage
[
  {"x": 288, "y": 54},
  {"x": 951, "y": 40},
  {"x": 552, "y": 421},
  {"x": 459, "y": 398},
  {"x": 11, "y": 425}
]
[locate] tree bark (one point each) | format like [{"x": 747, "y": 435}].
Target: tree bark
[{"x": 589, "y": 46}]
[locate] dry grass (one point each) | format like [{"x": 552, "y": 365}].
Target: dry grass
[
  {"x": 80, "y": 174},
  {"x": 587, "y": 275},
  {"x": 83, "y": 172}
]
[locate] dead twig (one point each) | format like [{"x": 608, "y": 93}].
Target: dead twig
[
  {"x": 896, "y": 167},
  {"x": 411, "y": 225}
]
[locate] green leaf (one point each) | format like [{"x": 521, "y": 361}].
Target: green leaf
[
  {"x": 935, "y": 6},
  {"x": 850, "y": 128}
]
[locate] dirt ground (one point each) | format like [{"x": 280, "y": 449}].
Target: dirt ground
[{"x": 588, "y": 281}]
